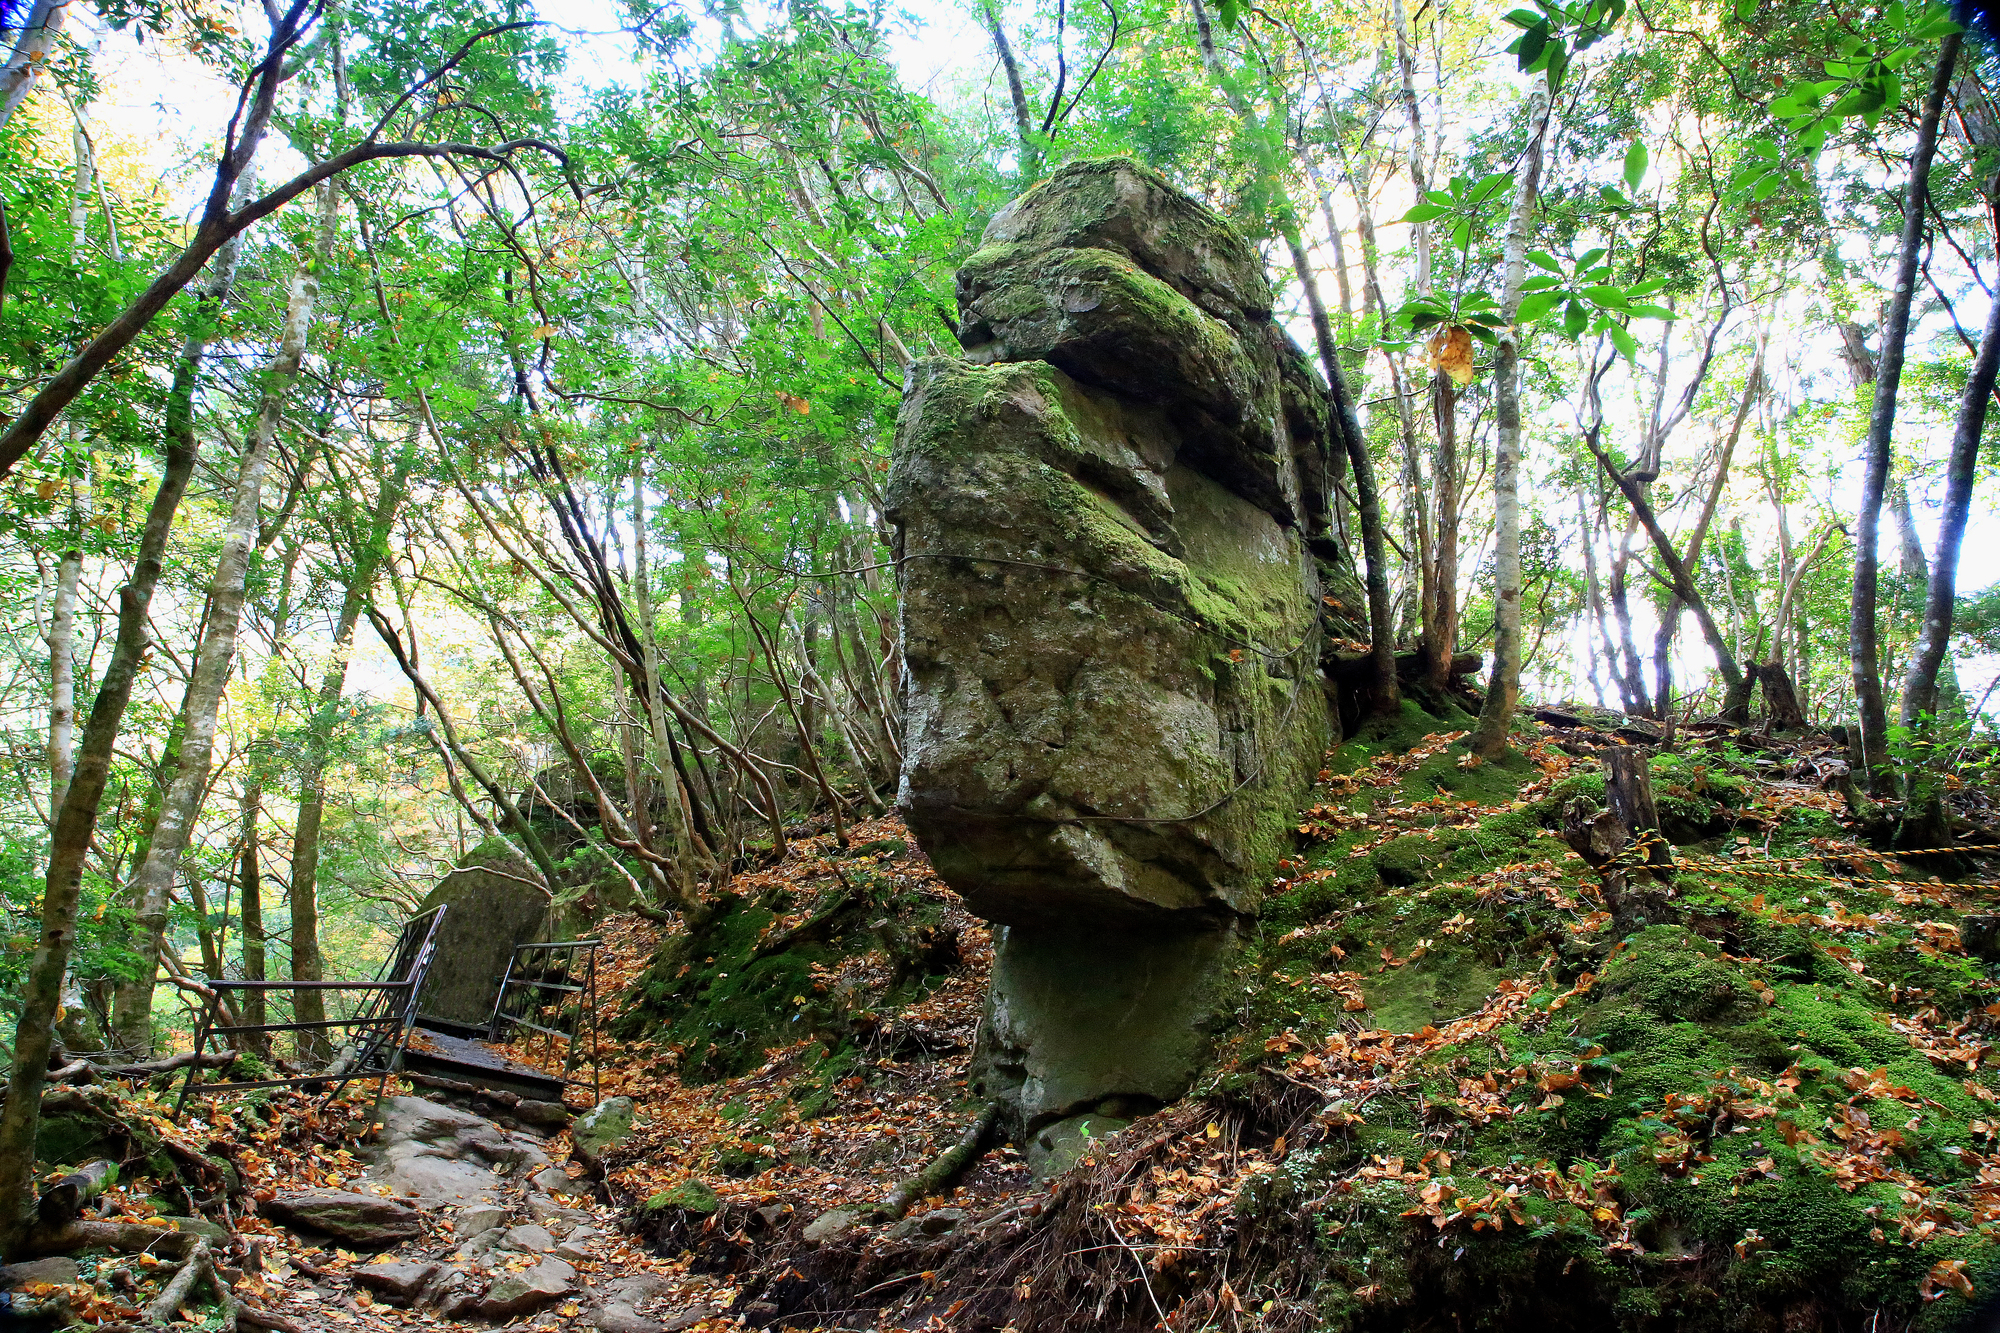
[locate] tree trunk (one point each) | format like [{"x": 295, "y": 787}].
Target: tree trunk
[
  {"x": 1385, "y": 691},
  {"x": 250, "y": 891},
  {"x": 62, "y": 673},
  {"x": 1863, "y": 643},
  {"x": 1622, "y": 843},
  {"x": 1503, "y": 691},
  {"x": 1024, "y": 119},
  {"x": 76, "y": 821},
  {"x": 1670, "y": 620},
  {"x": 132, "y": 1007},
  {"x": 30, "y": 55},
  {"x": 1920, "y": 686}
]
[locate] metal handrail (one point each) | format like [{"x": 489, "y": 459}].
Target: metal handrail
[
  {"x": 384, "y": 1024},
  {"x": 521, "y": 989}
]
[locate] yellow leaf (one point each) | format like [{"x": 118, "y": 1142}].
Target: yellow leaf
[{"x": 1450, "y": 350}]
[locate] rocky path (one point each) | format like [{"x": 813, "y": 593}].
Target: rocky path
[{"x": 458, "y": 1220}]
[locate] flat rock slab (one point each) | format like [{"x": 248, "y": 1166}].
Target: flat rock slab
[
  {"x": 364, "y": 1220},
  {"x": 399, "y": 1281},
  {"x": 55, "y": 1270},
  {"x": 442, "y": 1155},
  {"x": 524, "y": 1293},
  {"x": 531, "y": 1239},
  {"x": 470, "y": 1222}
]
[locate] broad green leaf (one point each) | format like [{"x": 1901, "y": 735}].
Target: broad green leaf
[
  {"x": 1535, "y": 305},
  {"x": 1627, "y": 345},
  {"x": 1767, "y": 185},
  {"x": 1423, "y": 319},
  {"x": 1425, "y": 212},
  {"x": 1532, "y": 46},
  {"x": 1606, "y": 296},
  {"x": 1645, "y": 310},
  {"x": 1589, "y": 258},
  {"x": 1646, "y": 288},
  {"x": 1523, "y": 18},
  {"x": 1491, "y": 185},
  {"x": 1443, "y": 197},
  {"x": 1610, "y": 195},
  {"x": 1541, "y": 283},
  {"x": 1543, "y": 259},
  {"x": 1575, "y": 318},
  {"x": 1635, "y": 164},
  {"x": 1745, "y": 10}
]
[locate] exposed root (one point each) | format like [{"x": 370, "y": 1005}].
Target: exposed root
[
  {"x": 199, "y": 1266},
  {"x": 946, "y": 1167}
]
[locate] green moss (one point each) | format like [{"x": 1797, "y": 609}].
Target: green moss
[
  {"x": 1745, "y": 1006},
  {"x": 691, "y": 1195}
]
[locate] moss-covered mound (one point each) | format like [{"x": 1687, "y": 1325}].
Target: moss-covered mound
[
  {"x": 817, "y": 948},
  {"x": 1774, "y": 1114}
]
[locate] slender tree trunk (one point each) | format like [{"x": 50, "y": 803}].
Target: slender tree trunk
[
  {"x": 1024, "y": 118},
  {"x": 32, "y": 47},
  {"x": 62, "y": 672},
  {"x": 1863, "y": 641},
  {"x": 1920, "y": 687},
  {"x": 1503, "y": 691},
  {"x": 1670, "y": 619},
  {"x": 250, "y": 891},
  {"x": 1385, "y": 694},
  {"x": 302, "y": 898},
  {"x": 132, "y": 1009},
  {"x": 76, "y": 821}
]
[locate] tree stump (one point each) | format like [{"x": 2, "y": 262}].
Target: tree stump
[
  {"x": 1623, "y": 843},
  {"x": 1781, "y": 698}
]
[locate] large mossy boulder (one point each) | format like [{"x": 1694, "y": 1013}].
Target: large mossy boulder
[
  {"x": 1120, "y": 570},
  {"x": 490, "y": 908}
]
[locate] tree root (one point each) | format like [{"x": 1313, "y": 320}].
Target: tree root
[
  {"x": 199, "y": 1266},
  {"x": 943, "y": 1169},
  {"x": 126, "y": 1237}
]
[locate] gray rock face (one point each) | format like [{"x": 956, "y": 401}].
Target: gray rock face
[
  {"x": 1083, "y": 1016},
  {"x": 1119, "y": 573},
  {"x": 1055, "y": 1148},
  {"x": 937, "y": 1222},
  {"x": 444, "y": 1155},
  {"x": 486, "y": 916},
  {"x": 470, "y": 1222},
  {"x": 397, "y": 1281},
  {"x": 525, "y": 1292},
  {"x": 832, "y": 1223},
  {"x": 57, "y": 1270},
  {"x": 364, "y": 1220}
]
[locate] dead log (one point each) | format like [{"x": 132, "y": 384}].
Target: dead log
[
  {"x": 125, "y": 1237},
  {"x": 1623, "y": 843},
  {"x": 65, "y": 1200}
]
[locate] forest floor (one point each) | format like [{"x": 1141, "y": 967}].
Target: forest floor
[{"x": 1449, "y": 1090}]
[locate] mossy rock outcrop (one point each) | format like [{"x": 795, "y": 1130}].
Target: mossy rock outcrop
[{"x": 1120, "y": 567}]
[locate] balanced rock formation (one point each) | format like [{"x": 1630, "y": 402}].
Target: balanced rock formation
[{"x": 1119, "y": 569}]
